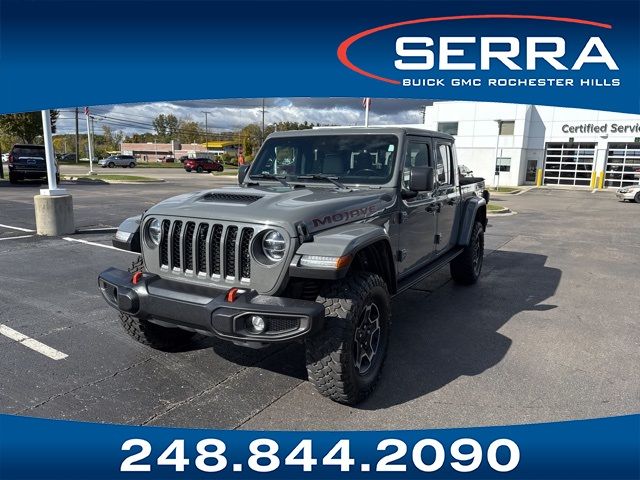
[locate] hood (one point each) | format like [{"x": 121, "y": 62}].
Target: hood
[{"x": 318, "y": 207}]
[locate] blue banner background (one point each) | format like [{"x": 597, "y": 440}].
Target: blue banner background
[
  {"x": 32, "y": 448},
  {"x": 69, "y": 53}
]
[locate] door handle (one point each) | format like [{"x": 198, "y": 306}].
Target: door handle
[{"x": 434, "y": 207}]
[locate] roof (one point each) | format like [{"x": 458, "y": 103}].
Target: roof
[{"x": 389, "y": 129}]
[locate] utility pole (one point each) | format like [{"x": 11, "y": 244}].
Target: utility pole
[
  {"x": 77, "y": 139},
  {"x": 206, "y": 129}
]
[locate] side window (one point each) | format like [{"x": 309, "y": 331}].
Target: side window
[
  {"x": 443, "y": 164},
  {"x": 417, "y": 155}
]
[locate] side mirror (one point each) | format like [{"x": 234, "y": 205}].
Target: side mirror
[
  {"x": 242, "y": 172},
  {"x": 421, "y": 179}
]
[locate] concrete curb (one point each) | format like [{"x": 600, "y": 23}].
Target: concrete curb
[
  {"x": 504, "y": 212},
  {"x": 98, "y": 180}
]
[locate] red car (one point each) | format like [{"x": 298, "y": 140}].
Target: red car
[{"x": 202, "y": 165}]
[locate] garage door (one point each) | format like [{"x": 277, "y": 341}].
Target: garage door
[
  {"x": 623, "y": 165},
  {"x": 569, "y": 163}
]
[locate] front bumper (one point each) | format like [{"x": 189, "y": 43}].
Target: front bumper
[
  {"x": 625, "y": 196},
  {"x": 206, "y": 310}
]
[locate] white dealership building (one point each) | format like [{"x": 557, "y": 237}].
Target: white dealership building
[{"x": 512, "y": 144}]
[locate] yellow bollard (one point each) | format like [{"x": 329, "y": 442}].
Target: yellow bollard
[
  {"x": 601, "y": 181},
  {"x": 539, "y": 178},
  {"x": 594, "y": 180}
]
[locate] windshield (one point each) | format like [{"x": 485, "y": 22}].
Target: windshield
[
  {"x": 29, "y": 152},
  {"x": 360, "y": 159}
]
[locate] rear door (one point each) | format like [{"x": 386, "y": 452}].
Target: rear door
[
  {"x": 446, "y": 194},
  {"x": 418, "y": 221}
]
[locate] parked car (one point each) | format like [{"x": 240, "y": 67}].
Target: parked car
[
  {"x": 68, "y": 157},
  {"x": 631, "y": 193},
  {"x": 312, "y": 255},
  {"x": 27, "y": 162},
  {"x": 203, "y": 165},
  {"x": 118, "y": 161}
]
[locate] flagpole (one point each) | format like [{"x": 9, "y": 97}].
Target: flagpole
[
  {"x": 86, "y": 111},
  {"x": 367, "y": 102}
]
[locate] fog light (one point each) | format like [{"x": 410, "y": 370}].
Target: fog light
[{"x": 258, "y": 323}]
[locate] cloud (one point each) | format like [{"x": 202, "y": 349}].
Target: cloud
[{"x": 232, "y": 114}]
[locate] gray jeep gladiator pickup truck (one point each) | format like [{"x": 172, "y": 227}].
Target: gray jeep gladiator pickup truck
[{"x": 325, "y": 227}]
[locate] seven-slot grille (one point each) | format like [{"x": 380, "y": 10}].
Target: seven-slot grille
[{"x": 206, "y": 249}]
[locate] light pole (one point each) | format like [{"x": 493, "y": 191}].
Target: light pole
[{"x": 53, "y": 207}]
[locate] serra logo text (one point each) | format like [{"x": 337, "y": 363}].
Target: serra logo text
[{"x": 418, "y": 53}]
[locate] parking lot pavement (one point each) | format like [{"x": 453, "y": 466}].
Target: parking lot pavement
[
  {"x": 549, "y": 333},
  {"x": 101, "y": 204},
  {"x": 165, "y": 173}
]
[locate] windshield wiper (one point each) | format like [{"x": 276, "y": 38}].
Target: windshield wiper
[
  {"x": 321, "y": 176},
  {"x": 271, "y": 176}
]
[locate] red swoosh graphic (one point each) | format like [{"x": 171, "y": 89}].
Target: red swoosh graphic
[{"x": 344, "y": 46}]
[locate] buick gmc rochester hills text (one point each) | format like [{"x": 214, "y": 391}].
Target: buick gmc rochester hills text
[{"x": 325, "y": 227}]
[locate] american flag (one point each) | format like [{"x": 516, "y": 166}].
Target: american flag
[
  {"x": 86, "y": 111},
  {"x": 366, "y": 102}
]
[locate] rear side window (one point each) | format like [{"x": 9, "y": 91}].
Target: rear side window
[
  {"x": 29, "y": 152},
  {"x": 443, "y": 163}
]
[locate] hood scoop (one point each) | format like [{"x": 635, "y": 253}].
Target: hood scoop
[{"x": 230, "y": 198}]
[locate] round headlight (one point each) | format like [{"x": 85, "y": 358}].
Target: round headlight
[
  {"x": 274, "y": 246},
  {"x": 154, "y": 231}
]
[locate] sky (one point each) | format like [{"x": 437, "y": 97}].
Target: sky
[{"x": 233, "y": 114}]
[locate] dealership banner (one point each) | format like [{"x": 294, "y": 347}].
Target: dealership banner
[
  {"x": 32, "y": 448},
  {"x": 62, "y": 54},
  {"x": 573, "y": 53}
]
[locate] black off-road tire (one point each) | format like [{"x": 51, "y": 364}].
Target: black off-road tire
[
  {"x": 150, "y": 334},
  {"x": 466, "y": 267},
  {"x": 199, "y": 169},
  {"x": 13, "y": 179},
  {"x": 330, "y": 353}
]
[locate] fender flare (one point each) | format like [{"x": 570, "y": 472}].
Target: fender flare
[
  {"x": 471, "y": 208},
  {"x": 338, "y": 242},
  {"x": 128, "y": 235}
]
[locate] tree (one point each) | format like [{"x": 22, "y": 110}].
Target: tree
[
  {"x": 251, "y": 136},
  {"x": 160, "y": 125},
  {"x": 26, "y": 126},
  {"x": 190, "y": 132},
  {"x": 166, "y": 127}
]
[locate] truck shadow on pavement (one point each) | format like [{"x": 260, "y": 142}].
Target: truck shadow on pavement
[
  {"x": 453, "y": 331},
  {"x": 440, "y": 331}
]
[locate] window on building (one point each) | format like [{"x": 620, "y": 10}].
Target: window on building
[
  {"x": 507, "y": 127},
  {"x": 450, "y": 128},
  {"x": 503, "y": 164}
]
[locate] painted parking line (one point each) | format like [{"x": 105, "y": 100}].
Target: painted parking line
[
  {"x": 31, "y": 343},
  {"x": 16, "y": 238},
  {"x": 87, "y": 242},
  {"x": 20, "y": 229}
]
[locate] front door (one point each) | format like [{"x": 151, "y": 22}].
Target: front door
[
  {"x": 446, "y": 196},
  {"x": 417, "y": 217},
  {"x": 532, "y": 168}
]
